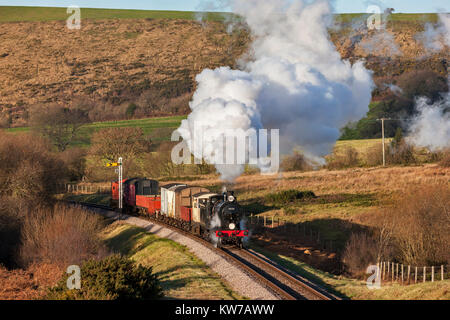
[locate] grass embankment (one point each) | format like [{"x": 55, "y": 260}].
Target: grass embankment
[
  {"x": 14, "y": 14},
  {"x": 181, "y": 274},
  {"x": 357, "y": 289}
]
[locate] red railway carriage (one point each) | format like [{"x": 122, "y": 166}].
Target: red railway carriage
[
  {"x": 138, "y": 194},
  {"x": 115, "y": 190}
]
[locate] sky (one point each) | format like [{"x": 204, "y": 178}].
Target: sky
[{"x": 410, "y": 6}]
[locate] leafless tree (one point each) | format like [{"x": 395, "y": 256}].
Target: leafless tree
[{"x": 58, "y": 123}]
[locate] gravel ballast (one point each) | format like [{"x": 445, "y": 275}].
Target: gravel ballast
[{"x": 239, "y": 281}]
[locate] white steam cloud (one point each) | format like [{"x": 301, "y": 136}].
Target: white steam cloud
[
  {"x": 431, "y": 127},
  {"x": 295, "y": 82},
  {"x": 434, "y": 38}
]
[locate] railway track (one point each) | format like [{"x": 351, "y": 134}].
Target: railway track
[{"x": 283, "y": 283}]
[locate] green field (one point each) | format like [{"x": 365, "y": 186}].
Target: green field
[
  {"x": 15, "y": 14},
  {"x": 158, "y": 129},
  {"x": 161, "y": 128}
]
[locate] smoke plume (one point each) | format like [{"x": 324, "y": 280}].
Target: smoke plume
[
  {"x": 431, "y": 127},
  {"x": 434, "y": 38},
  {"x": 295, "y": 81}
]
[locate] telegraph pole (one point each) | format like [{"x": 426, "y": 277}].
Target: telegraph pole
[{"x": 383, "y": 139}]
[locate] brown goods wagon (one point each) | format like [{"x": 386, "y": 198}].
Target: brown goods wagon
[{"x": 183, "y": 198}]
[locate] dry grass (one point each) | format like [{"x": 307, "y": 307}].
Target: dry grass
[
  {"x": 28, "y": 284},
  {"x": 107, "y": 59},
  {"x": 61, "y": 236}
]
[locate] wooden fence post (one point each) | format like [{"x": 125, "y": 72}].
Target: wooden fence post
[
  {"x": 402, "y": 273},
  {"x": 384, "y": 270},
  {"x": 265, "y": 220},
  {"x": 415, "y": 276},
  {"x": 409, "y": 272},
  {"x": 392, "y": 272},
  {"x": 396, "y": 273},
  {"x": 272, "y": 221},
  {"x": 432, "y": 274},
  {"x": 442, "y": 272},
  {"x": 424, "y": 274}
]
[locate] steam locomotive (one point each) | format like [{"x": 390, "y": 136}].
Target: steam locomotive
[{"x": 212, "y": 216}]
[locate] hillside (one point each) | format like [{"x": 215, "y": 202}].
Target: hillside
[{"x": 151, "y": 58}]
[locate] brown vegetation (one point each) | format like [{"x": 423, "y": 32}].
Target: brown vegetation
[
  {"x": 347, "y": 158},
  {"x": 28, "y": 169},
  {"x": 57, "y": 123},
  {"x": 62, "y": 236},
  {"x": 415, "y": 230},
  {"x": 104, "y": 68},
  {"x": 29, "y": 284},
  {"x": 295, "y": 162}
]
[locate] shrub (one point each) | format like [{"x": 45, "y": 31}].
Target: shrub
[
  {"x": 445, "y": 161},
  {"x": 374, "y": 156},
  {"x": 113, "y": 278},
  {"x": 347, "y": 158},
  {"x": 295, "y": 162},
  {"x": 359, "y": 253},
  {"x": 421, "y": 220},
  {"x": 400, "y": 153},
  {"x": 131, "y": 110},
  {"x": 29, "y": 172},
  {"x": 62, "y": 235},
  {"x": 289, "y": 196},
  {"x": 75, "y": 163}
]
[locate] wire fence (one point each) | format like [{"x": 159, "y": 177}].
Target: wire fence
[
  {"x": 407, "y": 274},
  {"x": 75, "y": 188}
]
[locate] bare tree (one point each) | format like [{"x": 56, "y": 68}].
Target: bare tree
[
  {"x": 110, "y": 144},
  {"x": 58, "y": 123}
]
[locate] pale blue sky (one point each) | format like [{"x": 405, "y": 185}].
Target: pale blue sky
[{"x": 411, "y": 6}]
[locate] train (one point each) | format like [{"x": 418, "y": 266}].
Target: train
[{"x": 216, "y": 217}]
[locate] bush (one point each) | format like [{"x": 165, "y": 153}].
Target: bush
[
  {"x": 114, "y": 278},
  {"x": 414, "y": 231},
  {"x": 295, "y": 162},
  {"x": 401, "y": 153},
  {"x": 29, "y": 172},
  {"x": 445, "y": 161},
  {"x": 374, "y": 156},
  {"x": 347, "y": 158},
  {"x": 131, "y": 110},
  {"x": 288, "y": 196},
  {"x": 421, "y": 225},
  {"x": 75, "y": 163},
  {"x": 62, "y": 235},
  {"x": 360, "y": 252}
]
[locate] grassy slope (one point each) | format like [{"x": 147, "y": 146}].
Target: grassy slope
[
  {"x": 148, "y": 125},
  {"x": 182, "y": 275},
  {"x": 14, "y": 14},
  {"x": 357, "y": 290}
]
